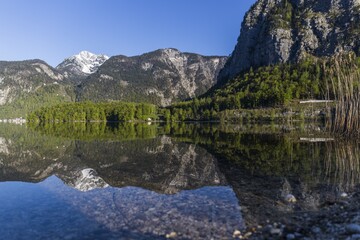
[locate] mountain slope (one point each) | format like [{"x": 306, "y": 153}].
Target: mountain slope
[
  {"x": 81, "y": 65},
  {"x": 159, "y": 77},
  {"x": 280, "y": 31},
  {"x": 27, "y": 85}
]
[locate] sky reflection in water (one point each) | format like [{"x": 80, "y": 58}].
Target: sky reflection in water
[{"x": 53, "y": 210}]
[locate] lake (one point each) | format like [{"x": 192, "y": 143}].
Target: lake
[{"x": 151, "y": 181}]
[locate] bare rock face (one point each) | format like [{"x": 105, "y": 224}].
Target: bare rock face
[
  {"x": 19, "y": 79},
  {"x": 160, "y": 77},
  {"x": 279, "y": 31}
]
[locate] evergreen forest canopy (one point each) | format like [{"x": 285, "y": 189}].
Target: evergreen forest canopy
[
  {"x": 88, "y": 111},
  {"x": 265, "y": 87}
]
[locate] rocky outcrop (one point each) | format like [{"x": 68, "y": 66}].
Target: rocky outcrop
[
  {"x": 278, "y": 31},
  {"x": 21, "y": 78},
  {"x": 160, "y": 77}
]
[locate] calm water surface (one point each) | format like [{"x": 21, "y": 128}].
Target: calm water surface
[{"x": 145, "y": 181}]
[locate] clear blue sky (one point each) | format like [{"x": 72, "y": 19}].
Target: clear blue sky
[{"x": 55, "y": 29}]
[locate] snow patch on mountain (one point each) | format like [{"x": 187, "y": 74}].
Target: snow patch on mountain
[{"x": 82, "y": 64}]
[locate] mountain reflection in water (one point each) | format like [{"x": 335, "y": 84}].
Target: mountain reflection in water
[
  {"x": 138, "y": 181},
  {"x": 51, "y": 210}
]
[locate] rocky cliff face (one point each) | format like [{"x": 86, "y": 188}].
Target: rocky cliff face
[
  {"x": 278, "y": 31},
  {"x": 23, "y": 77},
  {"x": 28, "y": 85},
  {"x": 159, "y": 77}
]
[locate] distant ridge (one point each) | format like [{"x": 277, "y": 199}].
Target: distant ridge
[{"x": 161, "y": 77}]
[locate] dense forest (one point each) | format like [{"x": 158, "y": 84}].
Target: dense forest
[{"x": 88, "y": 112}]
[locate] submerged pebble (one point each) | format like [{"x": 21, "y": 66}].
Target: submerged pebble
[
  {"x": 236, "y": 233},
  {"x": 355, "y": 237},
  {"x": 344, "y": 195},
  {"x": 290, "y": 236},
  {"x": 275, "y": 231},
  {"x": 316, "y": 230},
  {"x": 171, "y": 235},
  {"x": 352, "y": 228},
  {"x": 290, "y": 198},
  {"x": 248, "y": 234}
]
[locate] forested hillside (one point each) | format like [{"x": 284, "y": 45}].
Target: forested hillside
[{"x": 269, "y": 86}]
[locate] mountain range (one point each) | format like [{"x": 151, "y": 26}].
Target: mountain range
[
  {"x": 160, "y": 77},
  {"x": 273, "y": 32}
]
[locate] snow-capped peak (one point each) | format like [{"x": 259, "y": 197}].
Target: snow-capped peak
[
  {"x": 88, "y": 61},
  {"x": 83, "y": 63},
  {"x": 85, "y": 55},
  {"x": 88, "y": 179}
]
